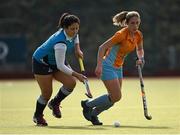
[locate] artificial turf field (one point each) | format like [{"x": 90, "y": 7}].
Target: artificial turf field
[{"x": 17, "y": 104}]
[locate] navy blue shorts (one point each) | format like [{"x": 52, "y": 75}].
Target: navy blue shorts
[{"x": 42, "y": 69}]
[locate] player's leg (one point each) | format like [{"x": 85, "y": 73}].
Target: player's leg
[
  {"x": 45, "y": 84},
  {"x": 108, "y": 100},
  {"x": 114, "y": 89},
  {"x": 69, "y": 84},
  {"x": 114, "y": 92},
  {"x": 92, "y": 108}
]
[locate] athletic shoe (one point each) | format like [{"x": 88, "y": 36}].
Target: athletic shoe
[
  {"x": 95, "y": 121},
  {"x": 55, "y": 109},
  {"x": 86, "y": 110},
  {"x": 39, "y": 120}
]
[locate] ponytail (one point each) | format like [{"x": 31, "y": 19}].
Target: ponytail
[
  {"x": 120, "y": 19},
  {"x": 60, "y": 24}
]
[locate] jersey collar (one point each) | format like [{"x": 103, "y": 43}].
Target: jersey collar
[
  {"x": 67, "y": 37},
  {"x": 131, "y": 38}
]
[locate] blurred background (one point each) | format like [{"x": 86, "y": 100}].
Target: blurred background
[{"x": 26, "y": 24}]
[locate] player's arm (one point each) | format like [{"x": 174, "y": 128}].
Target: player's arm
[
  {"x": 101, "y": 53},
  {"x": 78, "y": 52},
  {"x": 102, "y": 50},
  {"x": 140, "y": 50},
  {"x": 60, "y": 51},
  {"x": 140, "y": 54},
  {"x": 115, "y": 39}
]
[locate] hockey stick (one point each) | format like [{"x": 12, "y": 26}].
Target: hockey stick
[
  {"x": 148, "y": 117},
  {"x": 88, "y": 92}
]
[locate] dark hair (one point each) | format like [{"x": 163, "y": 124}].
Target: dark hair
[
  {"x": 67, "y": 19},
  {"x": 122, "y": 18}
]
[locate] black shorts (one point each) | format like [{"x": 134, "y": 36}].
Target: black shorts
[{"x": 42, "y": 69}]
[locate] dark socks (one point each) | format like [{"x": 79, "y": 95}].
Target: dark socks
[
  {"x": 61, "y": 95},
  {"x": 40, "y": 106}
]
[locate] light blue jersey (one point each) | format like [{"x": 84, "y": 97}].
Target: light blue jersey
[{"x": 45, "y": 53}]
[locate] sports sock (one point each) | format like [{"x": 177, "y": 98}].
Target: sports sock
[
  {"x": 99, "y": 109},
  {"x": 103, "y": 100},
  {"x": 61, "y": 95},
  {"x": 40, "y": 106}
]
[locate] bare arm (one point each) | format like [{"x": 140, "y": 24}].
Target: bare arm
[
  {"x": 140, "y": 54},
  {"x": 140, "y": 51},
  {"x": 101, "y": 52}
]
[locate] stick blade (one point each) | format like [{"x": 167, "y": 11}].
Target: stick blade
[
  {"x": 88, "y": 92},
  {"x": 148, "y": 117},
  {"x": 89, "y": 95}
]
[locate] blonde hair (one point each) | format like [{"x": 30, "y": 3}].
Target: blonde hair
[{"x": 122, "y": 18}]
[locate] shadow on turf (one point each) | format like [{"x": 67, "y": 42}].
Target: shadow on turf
[
  {"x": 139, "y": 127},
  {"x": 78, "y": 127},
  {"x": 91, "y": 127}
]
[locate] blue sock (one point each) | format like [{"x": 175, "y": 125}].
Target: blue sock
[
  {"x": 103, "y": 100},
  {"x": 99, "y": 109}
]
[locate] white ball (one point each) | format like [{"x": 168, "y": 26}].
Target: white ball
[{"x": 116, "y": 124}]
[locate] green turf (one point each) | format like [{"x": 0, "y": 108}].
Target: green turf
[{"x": 17, "y": 103}]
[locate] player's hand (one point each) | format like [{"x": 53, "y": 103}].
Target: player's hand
[
  {"x": 98, "y": 71},
  {"x": 140, "y": 62},
  {"x": 79, "y": 54},
  {"x": 79, "y": 76}
]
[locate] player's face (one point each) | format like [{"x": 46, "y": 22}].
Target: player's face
[
  {"x": 72, "y": 30},
  {"x": 133, "y": 24}
]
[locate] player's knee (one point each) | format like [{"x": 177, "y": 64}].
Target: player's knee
[
  {"x": 71, "y": 84},
  {"x": 116, "y": 98}
]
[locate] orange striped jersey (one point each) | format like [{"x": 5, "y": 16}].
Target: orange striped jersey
[{"x": 123, "y": 44}]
